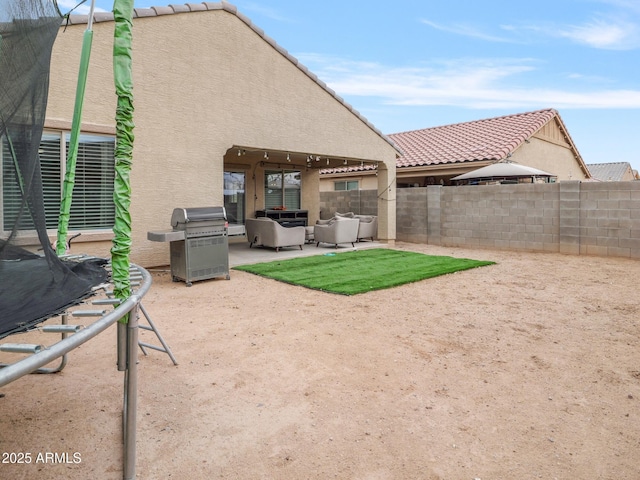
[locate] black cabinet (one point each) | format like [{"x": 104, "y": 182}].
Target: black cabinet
[{"x": 286, "y": 218}]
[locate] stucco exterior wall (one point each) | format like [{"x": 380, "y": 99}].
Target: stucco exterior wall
[
  {"x": 365, "y": 182},
  {"x": 548, "y": 150},
  {"x": 203, "y": 82}
]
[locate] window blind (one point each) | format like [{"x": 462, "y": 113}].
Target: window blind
[{"x": 92, "y": 206}]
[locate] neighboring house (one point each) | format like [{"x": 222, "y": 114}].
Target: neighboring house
[
  {"x": 612, "y": 172},
  {"x": 432, "y": 156},
  {"x": 223, "y": 115}
]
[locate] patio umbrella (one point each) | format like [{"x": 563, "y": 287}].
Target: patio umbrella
[{"x": 503, "y": 169}]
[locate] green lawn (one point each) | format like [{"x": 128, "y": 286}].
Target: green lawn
[{"x": 360, "y": 271}]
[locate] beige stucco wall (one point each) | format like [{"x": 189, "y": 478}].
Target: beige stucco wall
[
  {"x": 365, "y": 182},
  {"x": 548, "y": 150},
  {"x": 204, "y": 82}
]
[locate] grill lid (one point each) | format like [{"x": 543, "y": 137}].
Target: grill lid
[{"x": 198, "y": 214}]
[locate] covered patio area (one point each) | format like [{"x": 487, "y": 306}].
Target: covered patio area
[{"x": 283, "y": 184}]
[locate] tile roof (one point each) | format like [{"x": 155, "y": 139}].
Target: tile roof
[
  {"x": 227, "y": 7},
  {"x": 608, "y": 172},
  {"x": 488, "y": 139}
]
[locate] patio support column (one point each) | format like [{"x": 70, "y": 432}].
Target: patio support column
[
  {"x": 310, "y": 195},
  {"x": 387, "y": 201}
]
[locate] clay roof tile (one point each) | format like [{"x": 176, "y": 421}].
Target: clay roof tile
[{"x": 487, "y": 139}]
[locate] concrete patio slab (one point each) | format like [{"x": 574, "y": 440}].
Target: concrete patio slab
[{"x": 241, "y": 254}]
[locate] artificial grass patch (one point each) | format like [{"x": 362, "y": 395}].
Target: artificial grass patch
[{"x": 350, "y": 273}]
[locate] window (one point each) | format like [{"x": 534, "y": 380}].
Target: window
[
  {"x": 92, "y": 206},
  {"x": 234, "y": 196},
  {"x": 282, "y": 189},
  {"x": 345, "y": 185}
]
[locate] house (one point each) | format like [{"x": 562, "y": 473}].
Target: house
[
  {"x": 612, "y": 172},
  {"x": 432, "y": 156},
  {"x": 223, "y": 116}
]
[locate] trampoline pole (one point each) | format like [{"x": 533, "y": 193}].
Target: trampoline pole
[
  {"x": 72, "y": 154},
  {"x": 131, "y": 396},
  {"x": 122, "y": 346}
]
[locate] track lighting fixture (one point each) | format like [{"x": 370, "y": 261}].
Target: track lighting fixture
[
  {"x": 288, "y": 158},
  {"x": 345, "y": 162},
  {"x": 266, "y": 156},
  {"x": 327, "y": 162}
]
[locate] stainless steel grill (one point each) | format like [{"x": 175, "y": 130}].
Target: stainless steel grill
[{"x": 199, "y": 243}]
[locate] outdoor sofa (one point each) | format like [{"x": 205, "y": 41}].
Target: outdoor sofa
[{"x": 269, "y": 233}]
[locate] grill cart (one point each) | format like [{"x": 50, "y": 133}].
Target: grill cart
[{"x": 199, "y": 243}]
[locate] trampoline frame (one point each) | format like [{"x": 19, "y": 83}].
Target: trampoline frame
[{"x": 127, "y": 361}]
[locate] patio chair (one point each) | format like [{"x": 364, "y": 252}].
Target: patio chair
[
  {"x": 368, "y": 227},
  {"x": 337, "y": 230}
]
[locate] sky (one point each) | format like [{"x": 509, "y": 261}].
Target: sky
[{"x": 413, "y": 64}]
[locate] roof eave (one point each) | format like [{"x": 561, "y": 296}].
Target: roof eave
[{"x": 232, "y": 9}]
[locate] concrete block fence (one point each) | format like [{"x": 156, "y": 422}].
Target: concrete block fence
[{"x": 591, "y": 218}]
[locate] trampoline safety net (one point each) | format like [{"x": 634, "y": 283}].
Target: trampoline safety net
[{"x": 33, "y": 286}]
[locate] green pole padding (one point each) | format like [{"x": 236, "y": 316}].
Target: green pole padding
[
  {"x": 72, "y": 154},
  {"x": 123, "y": 78}
]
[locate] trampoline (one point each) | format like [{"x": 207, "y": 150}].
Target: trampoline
[
  {"x": 106, "y": 311},
  {"x": 39, "y": 283},
  {"x": 33, "y": 286}
]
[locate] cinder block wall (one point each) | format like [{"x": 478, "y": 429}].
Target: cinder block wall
[
  {"x": 412, "y": 215},
  {"x": 568, "y": 217},
  {"x": 610, "y": 219},
  {"x": 515, "y": 217},
  {"x": 360, "y": 202}
]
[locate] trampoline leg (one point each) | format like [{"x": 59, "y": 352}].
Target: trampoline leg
[
  {"x": 131, "y": 397},
  {"x": 152, "y": 328},
  {"x": 122, "y": 346},
  {"x": 63, "y": 360}
]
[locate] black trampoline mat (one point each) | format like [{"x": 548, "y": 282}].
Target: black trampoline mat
[{"x": 31, "y": 291}]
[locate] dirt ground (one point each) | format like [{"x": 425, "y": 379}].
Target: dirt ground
[{"x": 523, "y": 370}]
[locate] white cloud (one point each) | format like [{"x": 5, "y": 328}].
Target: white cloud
[
  {"x": 465, "y": 83},
  {"x": 464, "y": 30},
  {"x": 619, "y": 30},
  {"x": 612, "y": 35}
]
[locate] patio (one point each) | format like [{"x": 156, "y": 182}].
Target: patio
[{"x": 241, "y": 254}]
